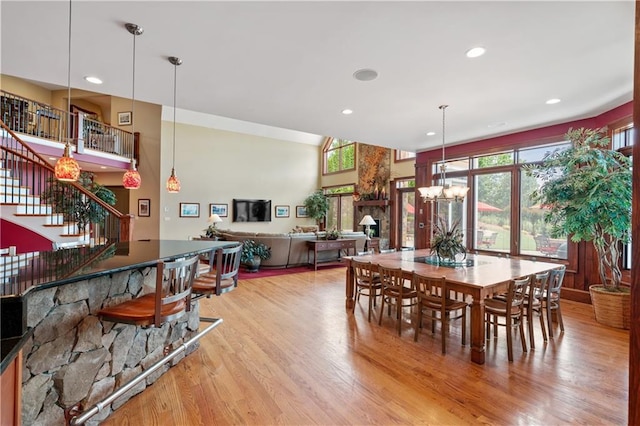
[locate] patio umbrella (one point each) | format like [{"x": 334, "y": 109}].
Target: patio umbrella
[
  {"x": 410, "y": 208},
  {"x": 484, "y": 207}
]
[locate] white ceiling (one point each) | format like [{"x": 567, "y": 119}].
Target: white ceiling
[{"x": 290, "y": 64}]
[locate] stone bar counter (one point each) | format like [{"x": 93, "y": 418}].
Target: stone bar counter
[{"x": 68, "y": 357}]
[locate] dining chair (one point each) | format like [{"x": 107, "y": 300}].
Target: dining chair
[
  {"x": 511, "y": 309},
  {"x": 395, "y": 292},
  {"x": 551, "y": 298},
  {"x": 533, "y": 303},
  {"x": 432, "y": 295},
  {"x": 367, "y": 280},
  {"x": 222, "y": 277},
  {"x": 170, "y": 300}
]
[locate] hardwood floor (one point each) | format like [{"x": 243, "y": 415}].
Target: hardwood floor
[{"x": 289, "y": 353}]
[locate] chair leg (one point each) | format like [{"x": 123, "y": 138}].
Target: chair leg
[
  {"x": 544, "y": 331},
  {"x": 509, "y": 330},
  {"x": 522, "y": 337},
  {"x": 549, "y": 323},
  {"x": 370, "y": 302},
  {"x": 381, "y": 309},
  {"x": 399, "y": 315},
  {"x": 464, "y": 327},
  {"x": 530, "y": 326},
  {"x": 418, "y": 324},
  {"x": 559, "y": 315}
]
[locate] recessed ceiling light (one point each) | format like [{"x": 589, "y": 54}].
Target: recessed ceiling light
[
  {"x": 52, "y": 158},
  {"x": 475, "y": 52},
  {"x": 431, "y": 133},
  {"x": 347, "y": 111},
  {"x": 93, "y": 80},
  {"x": 103, "y": 167},
  {"x": 552, "y": 101},
  {"x": 365, "y": 74}
]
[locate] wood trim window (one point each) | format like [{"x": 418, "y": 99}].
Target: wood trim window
[{"x": 339, "y": 155}]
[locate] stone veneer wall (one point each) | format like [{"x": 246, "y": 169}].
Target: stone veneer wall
[
  {"x": 374, "y": 169},
  {"x": 73, "y": 357}
]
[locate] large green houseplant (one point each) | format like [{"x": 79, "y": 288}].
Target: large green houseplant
[
  {"x": 447, "y": 242},
  {"x": 253, "y": 252},
  {"x": 317, "y": 205},
  {"x": 586, "y": 189}
]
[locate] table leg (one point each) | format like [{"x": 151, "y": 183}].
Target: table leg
[
  {"x": 477, "y": 330},
  {"x": 349, "y": 302}
]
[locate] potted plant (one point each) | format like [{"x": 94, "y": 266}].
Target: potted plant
[
  {"x": 253, "y": 253},
  {"x": 447, "y": 242},
  {"x": 332, "y": 234},
  {"x": 317, "y": 205},
  {"x": 587, "y": 191},
  {"x": 211, "y": 231}
]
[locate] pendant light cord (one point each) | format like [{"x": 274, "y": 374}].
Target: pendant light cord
[
  {"x": 443, "y": 167},
  {"x": 69, "y": 81},
  {"x": 175, "y": 78},
  {"x": 133, "y": 90}
]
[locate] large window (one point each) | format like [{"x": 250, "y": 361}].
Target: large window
[
  {"x": 340, "y": 215},
  {"x": 407, "y": 211},
  {"x": 623, "y": 138},
  {"x": 339, "y": 155}
]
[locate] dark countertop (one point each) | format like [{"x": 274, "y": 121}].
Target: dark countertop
[{"x": 54, "y": 268}]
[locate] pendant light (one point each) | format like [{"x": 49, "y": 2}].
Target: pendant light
[
  {"x": 443, "y": 192},
  {"x": 131, "y": 178},
  {"x": 67, "y": 168},
  {"x": 173, "y": 184}
]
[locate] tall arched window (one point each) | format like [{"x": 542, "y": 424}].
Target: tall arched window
[{"x": 339, "y": 155}]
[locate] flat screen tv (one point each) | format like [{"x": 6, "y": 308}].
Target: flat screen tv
[{"x": 251, "y": 210}]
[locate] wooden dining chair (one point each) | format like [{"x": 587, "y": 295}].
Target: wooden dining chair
[
  {"x": 551, "y": 298},
  {"x": 511, "y": 309},
  {"x": 433, "y": 296},
  {"x": 222, "y": 277},
  {"x": 367, "y": 280},
  {"x": 533, "y": 304},
  {"x": 170, "y": 300},
  {"x": 395, "y": 292}
]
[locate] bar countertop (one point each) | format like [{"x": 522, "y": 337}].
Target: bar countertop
[{"x": 48, "y": 269}]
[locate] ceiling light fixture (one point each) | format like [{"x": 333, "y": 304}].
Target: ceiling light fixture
[
  {"x": 93, "y": 80},
  {"x": 475, "y": 52},
  {"x": 552, "y": 101},
  {"x": 365, "y": 74},
  {"x": 431, "y": 133},
  {"x": 173, "y": 184},
  {"x": 67, "y": 168},
  {"x": 347, "y": 111},
  {"x": 131, "y": 178},
  {"x": 443, "y": 192}
]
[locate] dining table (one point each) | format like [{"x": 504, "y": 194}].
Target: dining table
[{"x": 477, "y": 276}]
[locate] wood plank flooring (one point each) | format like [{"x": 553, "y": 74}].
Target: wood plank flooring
[{"x": 289, "y": 353}]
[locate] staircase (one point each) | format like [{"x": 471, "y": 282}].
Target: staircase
[{"x": 24, "y": 177}]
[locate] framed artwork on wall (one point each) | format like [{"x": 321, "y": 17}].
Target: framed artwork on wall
[
  {"x": 144, "y": 207},
  {"x": 221, "y": 210},
  {"x": 301, "y": 211},
  {"x": 189, "y": 209},
  {"x": 282, "y": 211},
  {"x": 125, "y": 118}
]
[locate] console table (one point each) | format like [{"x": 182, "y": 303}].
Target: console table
[{"x": 340, "y": 244}]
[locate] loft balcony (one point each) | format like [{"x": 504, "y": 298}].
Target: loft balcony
[{"x": 95, "y": 145}]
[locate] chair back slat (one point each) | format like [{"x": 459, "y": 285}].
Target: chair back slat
[
  {"x": 173, "y": 283},
  {"x": 517, "y": 292},
  {"x": 556, "y": 276}
]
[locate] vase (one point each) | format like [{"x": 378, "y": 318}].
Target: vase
[{"x": 253, "y": 265}]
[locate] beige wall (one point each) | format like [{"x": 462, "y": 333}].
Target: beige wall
[
  {"x": 25, "y": 89},
  {"x": 216, "y": 166}
]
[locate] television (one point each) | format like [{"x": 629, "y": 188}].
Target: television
[{"x": 251, "y": 210}]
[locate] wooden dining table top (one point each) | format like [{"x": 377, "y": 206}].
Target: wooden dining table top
[{"x": 485, "y": 271}]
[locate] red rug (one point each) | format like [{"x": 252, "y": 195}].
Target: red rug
[{"x": 267, "y": 272}]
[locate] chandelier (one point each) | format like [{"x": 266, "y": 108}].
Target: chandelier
[{"x": 443, "y": 192}]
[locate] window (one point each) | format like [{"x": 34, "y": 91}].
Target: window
[
  {"x": 623, "y": 138},
  {"x": 340, "y": 215},
  {"x": 339, "y": 155},
  {"x": 404, "y": 155},
  {"x": 492, "y": 207}
]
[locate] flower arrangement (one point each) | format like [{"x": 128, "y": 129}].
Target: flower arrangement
[
  {"x": 447, "y": 242},
  {"x": 332, "y": 234},
  {"x": 251, "y": 249}
]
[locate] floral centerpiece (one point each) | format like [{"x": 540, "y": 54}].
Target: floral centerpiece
[{"x": 447, "y": 242}]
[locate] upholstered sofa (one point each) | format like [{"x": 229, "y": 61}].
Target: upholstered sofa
[{"x": 290, "y": 249}]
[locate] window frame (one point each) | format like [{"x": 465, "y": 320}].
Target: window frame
[{"x": 327, "y": 149}]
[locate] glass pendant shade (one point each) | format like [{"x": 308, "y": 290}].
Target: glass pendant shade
[
  {"x": 131, "y": 178},
  {"x": 173, "y": 184},
  {"x": 67, "y": 169}
]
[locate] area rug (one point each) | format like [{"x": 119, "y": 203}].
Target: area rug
[{"x": 265, "y": 272}]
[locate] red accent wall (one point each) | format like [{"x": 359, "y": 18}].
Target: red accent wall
[{"x": 24, "y": 239}]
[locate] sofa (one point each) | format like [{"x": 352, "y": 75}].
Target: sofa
[{"x": 290, "y": 249}]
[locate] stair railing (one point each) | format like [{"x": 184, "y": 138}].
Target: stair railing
[{"x": 31, "y": 177}]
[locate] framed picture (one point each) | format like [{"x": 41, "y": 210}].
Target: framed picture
[
  {"x": 282, "y": 211},
  {"x": 301, "y": 211},
  {"x": 125, "y": 118},
  {"x": 144, "y": 207},
  {"x": 189, "y": 209},
  {"x": 221, "y": 210}
]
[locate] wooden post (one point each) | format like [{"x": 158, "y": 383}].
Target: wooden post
[{"x": 634, "y": 339}]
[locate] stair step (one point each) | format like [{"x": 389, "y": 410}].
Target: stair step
[
  {"x": 18, "y": 199},
  {"x": 34, "y": 210},
  {"x": 5, "y": 172},
  {"x": 9, "y": 181},
  {"x": 14, "y": 189}
]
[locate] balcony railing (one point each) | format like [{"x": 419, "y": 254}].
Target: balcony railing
[{"x": 29, "y": 117}]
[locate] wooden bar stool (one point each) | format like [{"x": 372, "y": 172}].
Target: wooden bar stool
[
  {"x": 168, "y": 302},
  {"x": 224, "y": 265}
]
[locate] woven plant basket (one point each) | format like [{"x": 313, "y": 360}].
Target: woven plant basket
[{"x": 612, "y": 309}]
